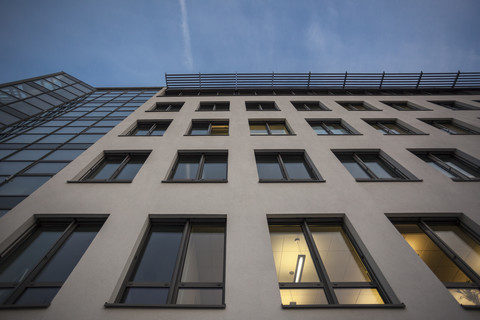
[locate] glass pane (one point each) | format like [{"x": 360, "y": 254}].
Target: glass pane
[
  {"x": 158, "y": 259},
  {"x": 67, "y": 257},
  {"x": 159, "y": 130},
  {"x": 25, "y": 138},
  {"x": 459, "y": 165},
  {"x": 293, "y": 261},
  {"x": 47, "y": 167},
  {"x": 278, "y": 128},
  {"x": 436, "y": 166},
  {"x": 4, "y": 294},
  {"x": 358, "y": 296},
  {"x": 99, "y": 130},
  {"x": 452, "y": 129},
  {"x": 461, "y": 243},
  {"x": 298, "y": 297},
  {"x": 22, "y": 185},
  {"x": 258, "y": 128},
  {"x": 9, "y": 168},
  {"x": 219, "y": 130},
  {"x": 296, "y": 167},
  {"x": 319, "y": 129},
  {"x": 378, "y": 166},
  {"x": 200, "y": 296},
  {"x": 63, "y": 154},
  {"x": 187, "y": 167},
  {"x": 204, "y": 259},
  {"x": 466, "y": 297},
  {"x": 142, "y": 129},
  {"x": 106, "y": 169},
  {"x": 215, "y": 168},
  {"x": 56, "y": 138},
  {"x": 131, "y": 169},
  {"x": 433, "y": 256},
  {"x": 43, "y": 129},
  {"x": 86, "y": 138},
  {"x": 70, "y": 130},
  {"x": 18, "y": 265},
  {"x": 268, "y": 167},
  {"x": 199, "y": 128},
  {"x": 337, "y": 128},
  {"x": 153, "y": 296},
  {"x": 338, "y": 255},
  {"x": 353, "y": 167},
  {"x": 380, "y": 129},
  {"x": 37, "y": 296}
]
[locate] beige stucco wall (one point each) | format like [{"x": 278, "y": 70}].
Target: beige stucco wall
[{"x": 251, "y": 285}]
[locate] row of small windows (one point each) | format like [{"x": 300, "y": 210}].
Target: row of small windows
[
  {"x": 181, "y": 261},
  {"x": 312, "y": 106},
  {"x": 320, "y": 126},
  {"x": 283, "y": 166}
]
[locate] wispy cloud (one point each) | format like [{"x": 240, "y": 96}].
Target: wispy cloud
[{"x": 186, "y": 37}]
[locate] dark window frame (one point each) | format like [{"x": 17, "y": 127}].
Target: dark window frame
[
  {"x": 438, "y": 123},
  {"x": 267, "y": 124},
  {"x": 311, "y": 169},
  {"x": 175, "y": 283},
  {"x": 70, "y": 222},
  {"x": 308, "y": 106},
  {"x": 214, "y": 104},
  {"x": 424, "y": 222},
  {"x": 387, "y": 131},
  {"x": 203, "y": 155},
  {"x": 88, "y": 177},
  {"x": 378, "y": 280},
  {"x": 153, "y": 125},
  {"x": 402, "y": 105},
  {"x": 341, "y": 122},
  {"x": 351, "y": 106},
  {"x": 210, "y": 124},
  {"x": 167, "y": 107},
  {"x": 402, "y": 173},
  {"x": 261, "y": 106},
  {"x": 454, "y": 105}
]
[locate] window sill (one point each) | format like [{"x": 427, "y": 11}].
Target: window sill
[
  {"x": 271, "y": 135},
  {"x": 406, "y": 134},
  {"x": 162, "y": 111},
  {"x": 128, "y": 135},
  {"x": 347, "y": 134},
  {"x": 470, "y": 307},
  {"x": 315, "y": 110},
  {"x": 194, "y": 181},
  {"x": 346, "y": 306},
  {"x": 99, "y": 181},
  {"x": 388, "y": 180},
  {"x": 212, "y": 110},
  {"x": 288, "y": 181},
  {"x": 464, "y": 180},
  {"x": 33, "y": 306},
  {"x": 173, "y": 306},
  {"x": 206, "y": 135}
]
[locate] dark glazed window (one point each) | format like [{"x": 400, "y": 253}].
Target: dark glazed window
[
  {"x": 33, "y": 271},
  {"x": 390, "y": 127},
  {"x": 180, "y": 263},
  {"x": 116, "y": 167},
  {"x": 200, "y": 167},
  {"x": 330, "y": 127},
  {"x": 214, "y": 106},
  {"x": 318, "y": 264},
  {"x": 455, "y": 105},
  {"x": 452, "y": 126},
  {"x": 284, "y": 166},
  {"x": 208, "y": 128},
  {"x": 450, "y": 251},
  {"x": 268, "y": 127},
  {"x": 261, "y": 106},
  {"x": 356, "y": 106},
  {"x": 150, "y": 128},
  {"x": 404, "y": 106},
  {"x": 168, "y": 106},
  {"x": 452, "y": 164},
  {"x": 368, "y": 166},
  {"x": 309, "y": 106}
]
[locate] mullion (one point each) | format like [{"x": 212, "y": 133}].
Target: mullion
[
  {"x": 179, "y": 265},
  {"x": 364, "y": 166},
  {"x": 152, "y": 128},
  {"x": 28, "y": 281},
  {"x": 209, "y": 130},
  {"x": 200, "y": 167},
  {"x": 449, "y": 252},
  {"x": 120, "y": 168},
  {"x": 282, "y": 167},
  {"x": 324, "y": 126},
  {"x": 442, "y": 127},
  {"x": 319, "y": 266},
  {"x": 269, "y": 132},
  {"x": 445, "y": 166},
  {"x": 386, "y": 129}
]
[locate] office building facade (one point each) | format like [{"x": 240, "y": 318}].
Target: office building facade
[{"x": 242, "y": 196}]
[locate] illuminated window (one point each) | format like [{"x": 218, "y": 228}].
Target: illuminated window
[
  {"x": 270, "y": 127},
  {"x": 450, "y": 251},
  {"x": 179, "y": 262},
  {"x": 33, "y": 271},
  {"x": 200, "y": 167},
  {"x": 318, "y": 264},
  {"x": 209, "y": 128}
]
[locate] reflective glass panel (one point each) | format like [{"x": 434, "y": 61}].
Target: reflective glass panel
[
  {"x": 187, "y": 167},
  {"x": 319, "y": 129},
  {"x": 278, "y": 128},
  {"x": 353, "y": 167},
  {"x": 29, "y": 155},
  {"x": 63, "y": 154},
  {"x": 215, "y": 168},
  {"x": 336, "y": 128},
  {"x": 219, "y": 129},
  {"x": 143, "y": 296},
  {"x": 22, "y": 185},
  {"x": 37, "y": 296},
  {"x": 9, "y": 168},
  {"x": 200, "y": 296},
  {"x": 466, "y": 297},
  {"x": 296, "y": 167},
  {"x": 199, "y": 128},
  {"x": 298, "y": 297},
  {"x": 47, "y": 167},
  {"x": 358, "y": 296},
  {"x": 131, "y": 169},
  {"x": 378, "y": 166},
  {"x": 258, "y": 128},
  {"x": 268, "y": 167}
]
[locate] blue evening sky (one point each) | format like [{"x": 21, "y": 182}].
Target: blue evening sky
[{"x": 134, "y": 43}]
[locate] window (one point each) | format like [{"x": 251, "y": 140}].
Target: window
[
  {"x": 372, "y": 166},
  {"x": 356, "y": 106},
  {"x": 34, "y": 270},
  {"x": 318, "y": 264},
  {"x": 261, "y": 106},
  {"x": 331, "y": 127},
  {"x": 450, "y": 250},
  {"x": 269, "y": 127},
  {"x": 179, "y": 262},
  {"x": 116, "y": 167},
  {"x": 452, "y": 126},
  {"x": 209, "y": 128},
  {"x": 214, "y": 106},
  {"x": 455, "y": 105},
  {"x": 309, "y": 106},
  {"x": 149, "y": 128},
  {"x": 404, "y": 106},
  {"x": 391, "y": 127},
  {"x": 200, "y": 167},
  {"x": 452, "y": 163},
  {"x": 168, "y": 106},
  {"x": 285, "y": 166}
]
